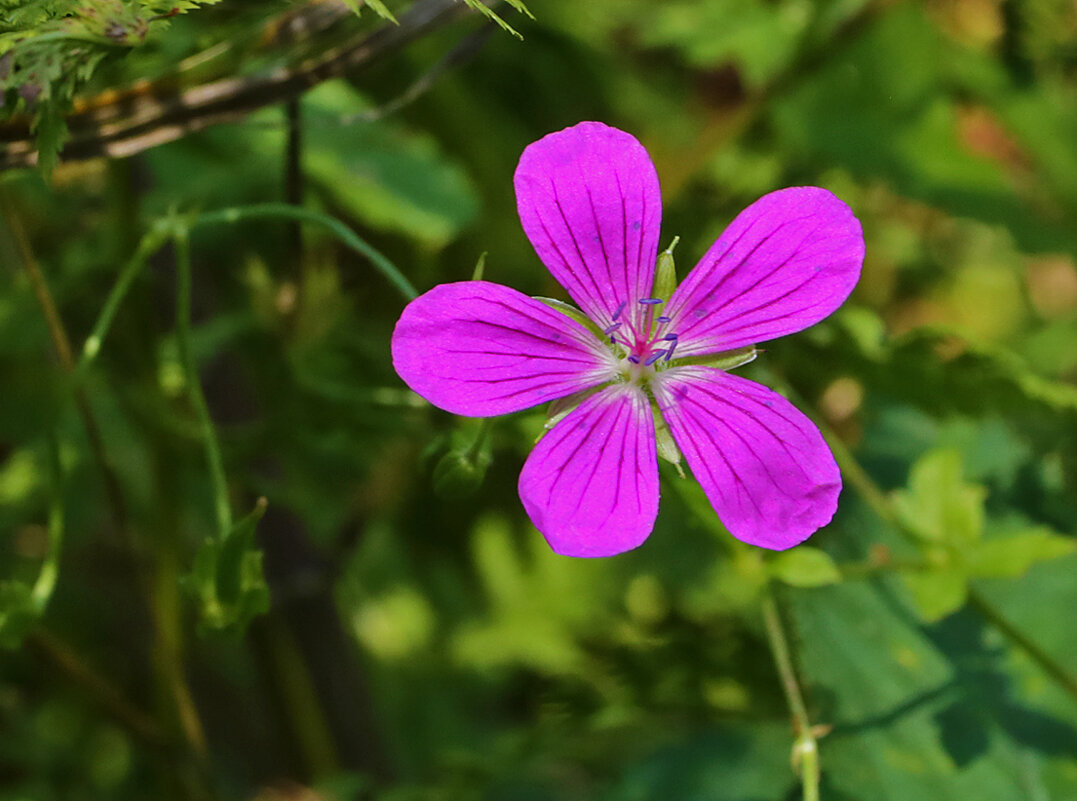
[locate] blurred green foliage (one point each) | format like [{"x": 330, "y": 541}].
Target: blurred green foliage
[{"x": 398, "y": 630}]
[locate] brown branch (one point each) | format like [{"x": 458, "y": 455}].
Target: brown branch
[
  {"x": 61, "y": 343},
  {"x": 153, "y": 120},
  {"x": 54, "y": 652}
]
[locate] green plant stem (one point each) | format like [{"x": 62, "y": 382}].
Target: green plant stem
[
  {"x": 345, "y": 234},
  {"x": 50, "y": 568},
  {"x": 1047, "y": 663},
  {"x": 806, "y": 747},
  {"x": 161, "y": 232},
  {"x": 222, "y": 507},
  {"x": 150, "y": 243}
]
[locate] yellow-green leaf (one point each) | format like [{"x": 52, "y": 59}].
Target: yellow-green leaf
[{"x": 805, "y": 566}]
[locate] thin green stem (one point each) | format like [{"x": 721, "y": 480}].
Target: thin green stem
[
  {"x": 345, "y": 234},
  {"x": 222, "y": 507},
  {"x": 160, "y": 233},
  {"x": 92, "y": 346},
  {"x": 50, "y": 568},
  {"x": 806, "y": 747},
  {"x": 1047, "y": 663},
  {"x": 485, "y": 426}
]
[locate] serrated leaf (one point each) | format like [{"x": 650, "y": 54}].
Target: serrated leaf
[
  {"x": 939, "y": 506},
  {"x": 490, "y": 14},
  {"x": 805, "y": 566},
  {"x": 1012, "y": 556},
  {"x": 377, "y": 6}
]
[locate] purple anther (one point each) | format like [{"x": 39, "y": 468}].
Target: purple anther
[
  {"x": 669, "y": 353},
  {"x": 610, "y": 329},
  {"x": 670, "y": 338},
  {"x": 620, "y": 309},
  {"x": 664, "y": 319},
  {"x": 613, "y": 341},
  {"x": 634, "y": 359},
  {"x": 654, "y": 357},
  {"x": 650, "y": 301}
]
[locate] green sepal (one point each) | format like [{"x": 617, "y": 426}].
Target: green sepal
[
  {"x": 560, "y": 408},
  {"x": 666, "y": 446},
  {"x": 480, "y": 267},
  {"x": 571, "y": 311},
  {"x": 461, "y": 471},
  {"x": 665, "y": 275},
  {"x": 727, "y": 360},
  {"x": 227, "y": 578}
]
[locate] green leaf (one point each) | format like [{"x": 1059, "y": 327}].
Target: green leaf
[
  {"x": 937, "y": 593},
  {"x": 377, "y": 6},
  {"x": 489, "y": 13},
  {"x": 1012, "y": 556},
  {"x": 805, "y": 566},
  {"x": 939, "y": 506},
  {"x": 891, "y": 689},
  {"x": 227, "y": 579},
  {"x": 388, "y": 176}
]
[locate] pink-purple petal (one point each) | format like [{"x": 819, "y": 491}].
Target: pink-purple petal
[
  {"x": 764, "y": 466},
  {"x": 591, "y": 484},
  {"x": 786, "y": 262},
  {"x": 589, "y": 201},
  {"x": 481, "y": 349}
]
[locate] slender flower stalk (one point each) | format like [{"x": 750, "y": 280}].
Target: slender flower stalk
[
  {"x": 806, "y": 747},
  {"x": 637, "y": 347}
]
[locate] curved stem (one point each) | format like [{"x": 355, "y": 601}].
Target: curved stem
[
  {"x": 345, "y": 234},
  {"x": 806, "y": 747},
  {"x": 222, "y": 506},
  {"x": 50, "y": 568},
  {"x": 160, "y": 233},
  {"x": 92, "y": 346}
]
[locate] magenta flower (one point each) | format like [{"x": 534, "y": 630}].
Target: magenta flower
[{"x": 589, "y": 202}]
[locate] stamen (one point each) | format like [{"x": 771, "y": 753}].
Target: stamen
[
  {"x": 610, "y": 329},
  {"x": 665, "y": 319},
  {"x": 634, "y": 359},
  {"x": 654, "y": 357},
  {"x": 669, "y": 353},
  {"x": 620, "y": 309},
  {"x": 651, "y": 301},
  {"x": 670, "y": 338}
]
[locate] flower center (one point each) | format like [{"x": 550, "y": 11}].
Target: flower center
[{"x": 642, "y": 342}]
